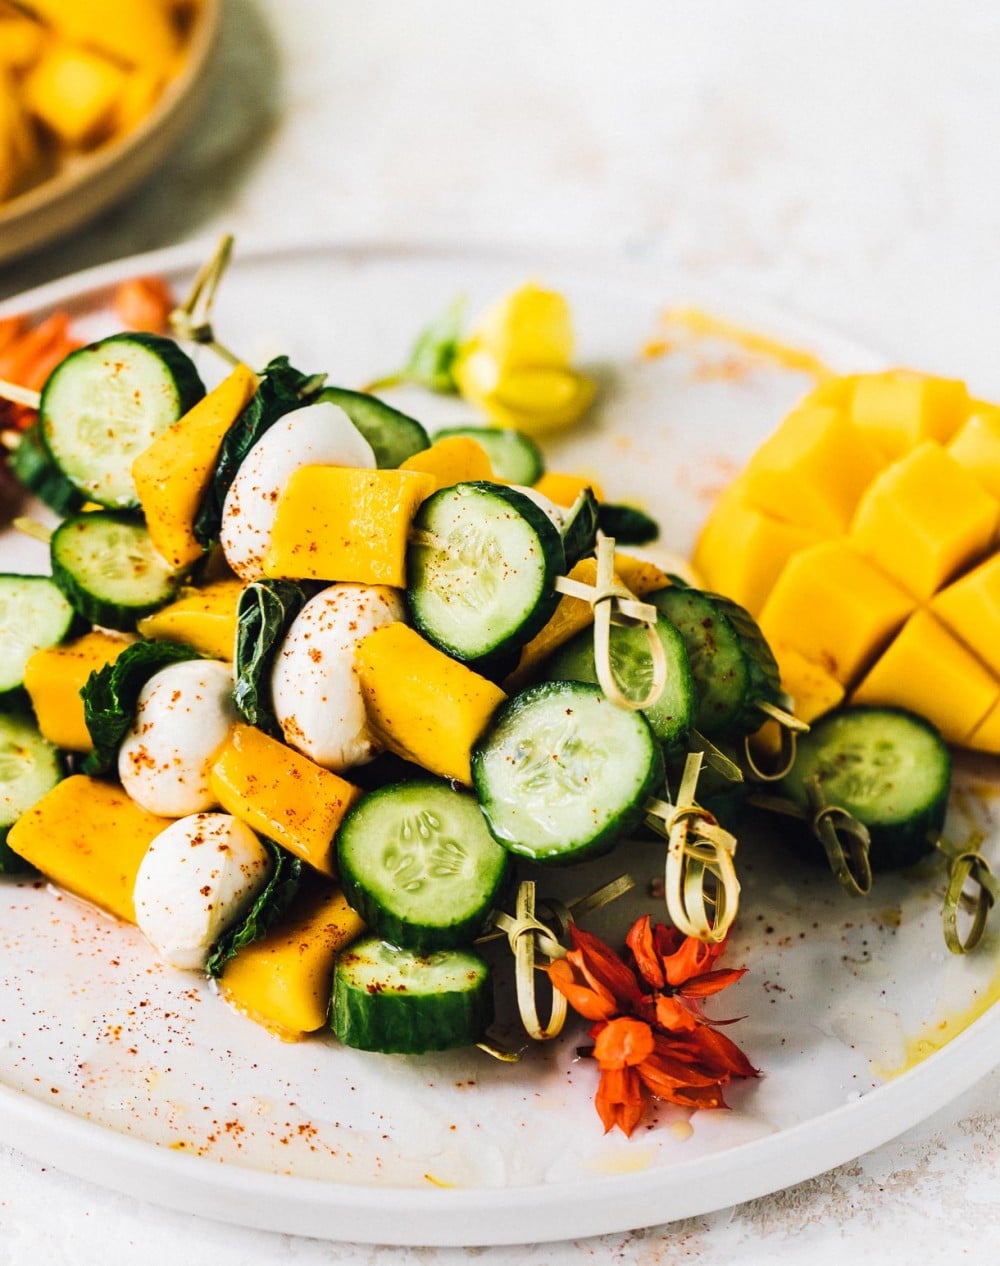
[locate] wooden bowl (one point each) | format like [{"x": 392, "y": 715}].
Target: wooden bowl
[{"x": 88, "y": 185}]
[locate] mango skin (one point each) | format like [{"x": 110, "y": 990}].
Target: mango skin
[
  {"x": 283, "y": 981},
  {"x": 89, "y": 837}
]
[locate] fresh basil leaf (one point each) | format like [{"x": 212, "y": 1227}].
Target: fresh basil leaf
[
  {"x": 579, "y": 530},
  {"x": 282, "y": 389},
  {"x": 433, "y": 354},
  {"x": 264, "y": 614},
  {"x": 626, "y": 524},
  {"x": 271, "y": 903},
  {"x": 111, "y": 693}
]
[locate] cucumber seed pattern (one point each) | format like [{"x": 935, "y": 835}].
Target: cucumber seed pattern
[{"x": 423, "y": 851}]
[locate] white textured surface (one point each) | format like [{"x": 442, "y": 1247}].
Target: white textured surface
[{"x": 837, "y": 158}]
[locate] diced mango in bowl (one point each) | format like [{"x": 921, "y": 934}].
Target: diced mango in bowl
[{"x": 863, "y": 535}]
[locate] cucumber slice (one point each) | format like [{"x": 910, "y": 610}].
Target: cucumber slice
[
  {"x": 514, "y": 456},
  {"x": 35, "y": 469},
  {"x": 393, "y": 436},
  {"x": 561, "y": 773},
  {"x": 34, "y": 613},
  {"x": 29, "y": 767},
  {"x": 485, "y": 584},
  {"x": 888, "y": 768},
  {"x": 105, "y": 563},
  {"x": 107, "y": 402},
  {"x": 734, "y": 669},
  {"x": 400, "y": 1002},
  {"x": 418, "y": 863},
  {"x": 672, "y": 715},
  {"x": 628, "y": 525}
]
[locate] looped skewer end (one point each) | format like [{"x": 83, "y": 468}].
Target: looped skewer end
[
  {"x": 700, "y": 884},
  {"x": 845, "y": 841},
  {"x": 614, "y": 604},
  {"x": 966, "y": 866},
  {"x": 191, "y": 321},
  {"x": 789, "y": 727}
]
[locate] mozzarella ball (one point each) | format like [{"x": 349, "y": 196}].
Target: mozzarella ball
[
  {"x": 315, "y": 687},
  {"x": 319, "y": 435},
  {"x": 183, "y": 716},
  {"x": 197, "y": 877}
]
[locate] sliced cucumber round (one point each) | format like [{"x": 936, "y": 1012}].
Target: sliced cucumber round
[
  {"x": 36, "y": 470},
  {"x": 672, "y": 715},
  {"x": 561, "y": 773},
  {"x": 418, "y": 863},
  {"x": 393, "y": 436},
  {"x": 734, "y": 669},
  {"x": 399, "y": 1002},
  {"x": 34, "y": 613},
  {"x": 889, "y": 768},
  {"x": 29, "y": 767},
  {"x": 106, "y": 565},
  {"x": 481, "y": 572},
  {"x": 514, "y": 456},
  {"x": 107, "y": 402}
]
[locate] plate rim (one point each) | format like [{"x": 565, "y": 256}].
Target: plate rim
[{"x": 445, "y": 1217}]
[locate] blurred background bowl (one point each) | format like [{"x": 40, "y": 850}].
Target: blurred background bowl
[{"x": 89, "y": 184}]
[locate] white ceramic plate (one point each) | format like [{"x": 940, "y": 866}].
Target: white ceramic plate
[{"x": 139, "y": 1077}]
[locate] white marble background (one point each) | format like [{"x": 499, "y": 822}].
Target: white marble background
[{"x": 841, "y": 159}]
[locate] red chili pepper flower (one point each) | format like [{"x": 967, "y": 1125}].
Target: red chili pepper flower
[{"x": 651, "y": 1036}]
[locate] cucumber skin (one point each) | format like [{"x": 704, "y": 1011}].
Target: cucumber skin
[
  {"x": 390, "y": 450},
  {"x": 16, "y": 698},
  {"x": 617, "y": 827},
  {"x": 395, "y": 1022},
  {"x": 894, "y": 845},
  {"x": 418, "y": 937},
  {"x": 35, "y": 469},
  {"x": 532, "y": 461},
  {"x": 187, "y": 383},
  {"x": 107, "y": 615}
]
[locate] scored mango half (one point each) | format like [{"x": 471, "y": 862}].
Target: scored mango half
[{"x": 863, "y": 535}]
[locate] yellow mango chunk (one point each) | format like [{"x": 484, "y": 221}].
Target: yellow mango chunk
[
  {"x": 812, "y": 471},
  {"x": 976, "y": 446},
  {"x": 74, "y": 92},
  {"x": 137, "y": 32},
  {"x": 833, "y": 607},
  {"x": 54, "y": 677},
  {"x": 171, "y": 475},
  {"x": 88, "y": 837},
  {"x": 740, "y": 551},
  {"x": 928, "y": 671},
  {"x": 564, "y": 489},
  {"x": 813, "y": 690},
  {"x": 986, "y": 736},
  {"x": 455, "y": 459},
  {"x": 530, "y": 326},
  {"x": 204, "y": 618},
  {"x": 533, "y": 400},
  {"x": 970, "y": 608},
  {"x": 924, "y": 518},
  {"x": 424, "y": 705},
  {"x": 573, "y": 615},
  {"x": 837, "y": 391},
  {"x": 283, "y": 981},
  {"x": 899, "y": 408},
  {"x": 338, "y": 523},
  {"x": 282, "y": 794},
  {"x": 139, "y": 96},
  {"x": 21, "y": 41}
]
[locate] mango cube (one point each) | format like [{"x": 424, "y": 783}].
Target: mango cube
[
  {"x": 813, "y": 690},
  {"x": 135, "y": 32},
  {"x": 924, "y": 518},
  {"x": 282, "y": 794},
  {"x": 54, "y": 677},
  {"x": 75, "y": 93},
  {"x": 976, "y": 446},
  {"x": 171, "y": 475},
  {"x": 339, "y": 523},
  {"x": 986, "y": 736},
  {"x": 832, "y": 606},
  {"x": 564, "y": 489},
  {"x": 812, "y": 471},
  {"x": 936, "y": 676},
  {"x": 899, "y": 408},
  {"x": 88, "y": 837},
  {"x": 455, "y": 459},
  {"x": 204, "y": 618},
  {"x": 970, "y": 608},
  {"x": 424, "y": 705},
  {"x": 283, "y": 981}
]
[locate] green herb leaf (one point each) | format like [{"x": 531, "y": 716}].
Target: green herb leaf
[
  {"x": 282, "y": 389},
  {"x": 271, "y": 903},
  {"x": 264, "y": 614},
  {"x": 111, "y": 693},
  {"x": 579, "y": 530},
  {"x": 627, "y": 525},
  {"x": 434, "y": 352}
]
